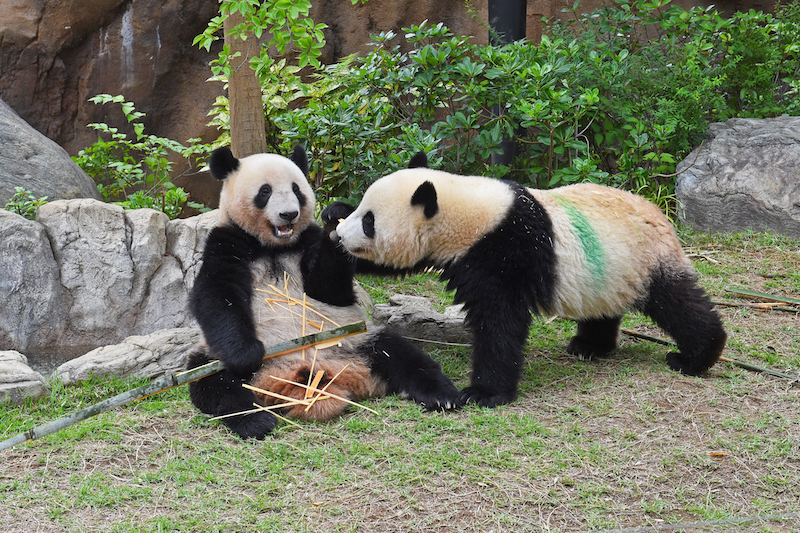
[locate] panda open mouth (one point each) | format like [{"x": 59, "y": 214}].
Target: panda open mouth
[{"x": 283, "y": 232}]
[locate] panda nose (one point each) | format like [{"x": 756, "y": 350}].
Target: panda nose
[{"x": 288, "y": 216}]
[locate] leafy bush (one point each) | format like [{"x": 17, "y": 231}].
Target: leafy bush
[
  {"x": 664, "y": 73},
  {"x": 24, "y": 203},
  {"x": 136, "y": 173},
  {"x": 616, "y": 96}
]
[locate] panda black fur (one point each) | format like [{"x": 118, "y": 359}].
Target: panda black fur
[
  {"x": 266, "y": 236},
  {"x": 584, "y": 252}
]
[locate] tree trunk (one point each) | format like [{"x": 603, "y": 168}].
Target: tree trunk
[{"x": 248, "y": 135}]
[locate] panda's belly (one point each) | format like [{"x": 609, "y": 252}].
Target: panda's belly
[{"x": 282, "y": 311}]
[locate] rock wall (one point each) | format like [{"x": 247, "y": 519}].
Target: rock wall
[{"x": 88, "y": 274}]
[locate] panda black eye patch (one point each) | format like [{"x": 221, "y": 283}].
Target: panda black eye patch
[
  {"x": 368, "y": 224},
  {"x": 262, "y": 197},
  {"x": 300, "y": 197}
]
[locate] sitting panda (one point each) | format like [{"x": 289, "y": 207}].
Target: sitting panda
[
  {"x": 267, "y": 240},
  {"x": 584, "y": 252}
]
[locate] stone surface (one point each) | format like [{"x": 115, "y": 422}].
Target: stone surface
[
  {"x": 415, "y": 317},
  {"x": 89, "y": 274},
  {"x": 17, "y": 380},
  {"x": 746, "y": 176},
  {"x": 57, "y": 54},
  {"x": 30, "y": 160},
  {"x": 34, "y": 302},
  {"x": 143, "y": 356}
]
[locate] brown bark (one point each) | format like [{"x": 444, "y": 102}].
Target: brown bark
[{"x": 248, "y": 135}]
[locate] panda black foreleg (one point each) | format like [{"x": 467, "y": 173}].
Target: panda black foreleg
[
  {"x": 222, "y": 394},
  {"x": 595, "y": 338},
  {"x": 683, "y": 310},
  {"x": 410, "y": 373},
  {"x": 499, "y": 336}
]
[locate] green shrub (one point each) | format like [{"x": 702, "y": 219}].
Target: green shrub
[
  {"x": 136, "y": 173},
  {"x": 617, "y": 96},
  {"x": 24, "y": 203},
  {"x": 664, "y": 74}
]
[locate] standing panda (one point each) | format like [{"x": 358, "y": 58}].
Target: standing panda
[
  {"x": 267, "y": 240},
  {"x": 584, "y": 252}
]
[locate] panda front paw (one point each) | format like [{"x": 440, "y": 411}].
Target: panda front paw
[
  {"x": 679, "y": 363},
  {"x": 485, "y": 397},
  {"x": 586, "y": 350},
  {"x": 335, "y": 212},
  {"x": 247, "y": 361}
]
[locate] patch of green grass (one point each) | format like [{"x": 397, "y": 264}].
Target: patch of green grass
[{"x": 618, "y": 442}]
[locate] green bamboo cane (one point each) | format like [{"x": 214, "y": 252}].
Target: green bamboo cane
[{"x": 170, "y": 381}]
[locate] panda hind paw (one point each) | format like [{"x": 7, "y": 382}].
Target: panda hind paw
[
  {"x": 444, "y": 397},
  {"x": 586, "y": 351},
  {"x": 253, "y": 426},
  {"x": 486, "y": 398},
  {"x": 679, "y": 363}
]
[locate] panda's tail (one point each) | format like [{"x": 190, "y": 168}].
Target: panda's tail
[{"x": 222, "y": 394}]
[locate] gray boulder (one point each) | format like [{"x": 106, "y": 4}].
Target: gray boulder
[
  {"x": 30, "y": 160},
  {"x": 89, "y": 274},
  {"x": 746, "y": 176},
  {"x": 34, "y": 302}
]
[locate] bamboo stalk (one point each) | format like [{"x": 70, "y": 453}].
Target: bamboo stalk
[
  {"x": 174, "y": 380},
  {"x": 763, "y": 370},
  {"x": 763, "y": 306},
  {"x": 754, "y": 294}
]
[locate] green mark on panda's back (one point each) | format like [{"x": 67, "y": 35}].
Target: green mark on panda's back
[{"x": 588, "y": 239}]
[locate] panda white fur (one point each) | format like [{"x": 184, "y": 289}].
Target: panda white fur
[
  {"x": 267, "y": 236},
  {"x": 584, "y": 252}
]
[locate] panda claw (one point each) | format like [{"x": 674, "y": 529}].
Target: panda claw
[{"x": 486, "y": 398}]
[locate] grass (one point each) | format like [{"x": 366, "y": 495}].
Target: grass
[{"x": 588, "y": 446}]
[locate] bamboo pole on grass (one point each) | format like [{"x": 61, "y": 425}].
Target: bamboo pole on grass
[{"x": 174, "y": 380}]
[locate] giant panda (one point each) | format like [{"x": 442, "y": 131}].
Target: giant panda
[
  {"x": 584, "y": 252},
  {"x": 267, "y": 237}
]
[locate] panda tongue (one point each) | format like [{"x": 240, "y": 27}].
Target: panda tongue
[{"x": 283, "y": 231}]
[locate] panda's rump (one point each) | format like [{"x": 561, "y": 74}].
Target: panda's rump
[{"x": 607, "y": 242}]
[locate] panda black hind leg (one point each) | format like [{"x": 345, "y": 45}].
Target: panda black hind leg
[
  {"x": 410, "y": 373},
  {"x": 595, "y": 338},
  {"x": 681, "y": 308},
  {"x": 222, "y": 394}
]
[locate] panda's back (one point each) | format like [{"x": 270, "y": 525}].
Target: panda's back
[{"x": 607, "y": 243}]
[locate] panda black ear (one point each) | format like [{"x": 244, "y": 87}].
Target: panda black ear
[
  {"x": 222, "y": 163},
  {"x": 420, "y": 160},
  {"x": 300, "y": 158},
  {"x": 425, "y": 195}
]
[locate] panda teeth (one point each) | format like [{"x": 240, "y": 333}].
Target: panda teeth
[{"x": 283, "y": 231}]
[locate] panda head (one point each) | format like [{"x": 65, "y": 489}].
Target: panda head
[
  {"x": 390, "y": 225},
  {"x": 419, "y": 216},
  {"x": 267, "y": 195}
]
